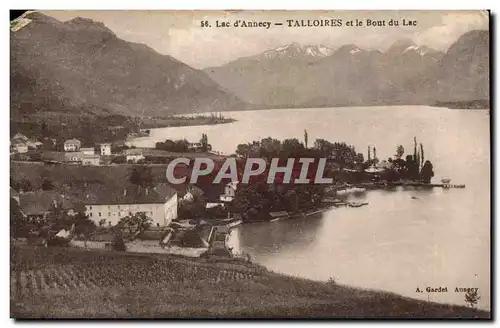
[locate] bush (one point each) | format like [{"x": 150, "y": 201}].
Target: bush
[
  {"x": 119, "y": 244},
  {"x": 58, "y": 242}
]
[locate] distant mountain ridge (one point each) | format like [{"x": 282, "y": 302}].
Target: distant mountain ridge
[
  {"x": 81, "y": 65},
  {"x": 406, "y": 73}
]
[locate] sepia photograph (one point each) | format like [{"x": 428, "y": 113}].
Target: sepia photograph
[{"x": 250, "y": 164}]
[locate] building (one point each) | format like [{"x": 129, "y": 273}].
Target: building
[
  {"x": 133, "y": 155},
  {"x": 88, "y": 151},
  {"x": 93, "y": 159},
  {"x": 229, "y": 192},
  {"x": 105, "y": 149},
  {"x": 385, "y": 165},
  {"x": 195, "y": 146},
  {"x": 72, "y": 145},
  {"x": 74, "y": 157},
  {"x": 33, "y": 144},
  {"x": 20, "y": 137},
  {"x": 19, "y": 147},
  {"x": 37, "y": 205},
  {"x": 107, "y": 205}
]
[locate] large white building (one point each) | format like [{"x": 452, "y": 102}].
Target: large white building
[{"x": 107, "y": 206}]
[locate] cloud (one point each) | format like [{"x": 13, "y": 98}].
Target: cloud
[{"x": 180, "y": 34}]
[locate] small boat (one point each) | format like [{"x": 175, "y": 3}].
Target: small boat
[{"x": 357, "y": 204}]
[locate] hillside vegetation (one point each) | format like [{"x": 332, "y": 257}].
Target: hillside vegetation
[{"x": 73, "y": 283}]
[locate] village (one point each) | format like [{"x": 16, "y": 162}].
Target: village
[
  {"x": 140, "y": 211},
  {"x": 106, "y": 205}
]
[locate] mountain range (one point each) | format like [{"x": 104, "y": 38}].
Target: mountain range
[
  {"x": 316, "y": 76},
  {"x": 82, "y": 66}
]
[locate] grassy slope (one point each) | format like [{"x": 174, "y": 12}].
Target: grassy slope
[{"x": 72, "y": 283}]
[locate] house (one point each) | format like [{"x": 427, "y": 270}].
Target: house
[
  {"x": 133, "y": 155},
  {"x": 88, "y": 151},
  {"x": 20, "y": 137},
  {"x": 229, "y": 192},
  {"x": 195, "y": 146},
  {"x": 110, "y": 204},
  {"x": 37, "y": 205},
  {"x": 93, "y": 159},
  {"x": 33, "y": 144},
  {"x": 72, "y": 145},
  {"x": 385, "y": 165},
  {"x": 105, "y": 149},
  {"x": 19, "y": 147},
  {"x": 75, "y": 157}
]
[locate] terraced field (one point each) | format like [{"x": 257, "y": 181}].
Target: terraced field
[
  {"x": 74, "y": 270},
  {"x": 74, "y": 283}
]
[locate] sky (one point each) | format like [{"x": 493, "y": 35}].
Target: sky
[{"x": 180, "y": 34}]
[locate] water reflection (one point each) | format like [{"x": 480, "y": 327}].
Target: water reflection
[
  {"x": 405, "y": 237},
  {"x": 264, "y": 238}
]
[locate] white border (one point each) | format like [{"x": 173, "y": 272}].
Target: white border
[{"x": 184, "y": 4}]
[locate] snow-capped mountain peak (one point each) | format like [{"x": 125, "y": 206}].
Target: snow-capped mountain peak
[
  {"x": 421, "y": 50},
  {"x": 295, "y": 49}
]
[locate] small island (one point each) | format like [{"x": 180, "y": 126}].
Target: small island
[{"x": 464, "y": 104}]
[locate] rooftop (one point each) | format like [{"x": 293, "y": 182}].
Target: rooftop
[
  {"x": 39, "y": 202},
  {"x": 71, "y": 141},
  {"x": 130, "y": 194}
]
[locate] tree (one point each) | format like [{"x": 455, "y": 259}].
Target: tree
[
  {"x": 375, "y": 159},
  {"x": 119, "y": 160},
  {"x": 411, "y": 170},
  {"x": 472, "y": 297},
  {"x": 17, "y": 220},
  {"x": 306, "y": 139},
  {"x": 400, "y": 151},
  {"x": 416, "y": 155},
  {"x": 181, "y": 146},
  {"x": 136, "y": 223},
  {"x": 47, "y": 184},
  {"x": 292, "y": 147},
  {"x": 427, "y": 172},
  {"x": 82, "y": 223},
  {"x": 243, "y": 150},
  {"x": 421, "y": 155},
  {"x": 118, "y": 242},
  {"x": 47, "y": 144},
  {"x": 204, "y": 142},
  {"x": 269, "y": 147}
]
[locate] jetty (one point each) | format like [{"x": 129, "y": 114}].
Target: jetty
[{"x": 419, "y": 184}]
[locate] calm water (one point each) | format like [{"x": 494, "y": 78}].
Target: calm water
[{"x": 396, "y": 243}]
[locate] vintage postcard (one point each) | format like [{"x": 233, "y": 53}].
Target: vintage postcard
[{"x": 250, "y": 164}]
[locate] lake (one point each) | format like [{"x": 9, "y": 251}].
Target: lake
[{"x": 404, "y": 239}]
